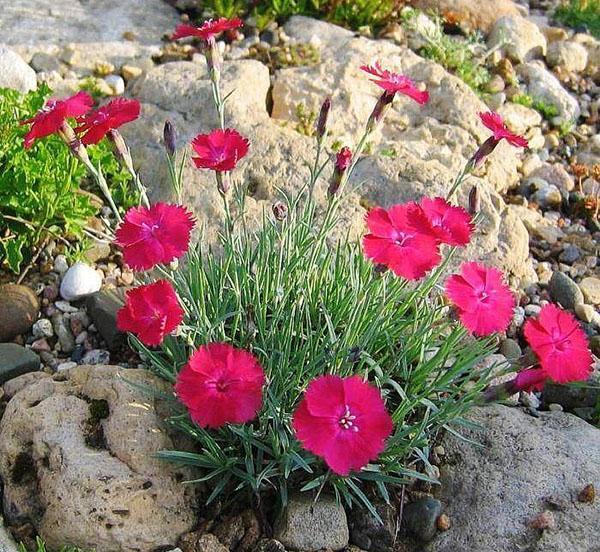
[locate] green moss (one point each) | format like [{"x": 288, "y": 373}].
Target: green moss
[{"x": 575, "y": 13}]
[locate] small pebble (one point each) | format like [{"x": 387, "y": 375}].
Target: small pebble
[
  {"x": 65, "y": 366},
  {"x": 555, "y": 407},
  {"x": 542, "y": 521},
  {"x": 587, "y": 494},
  {"x": 60, "y": 264},
  {"x": 65, "y": 306},
  {"x": 42, "y": 328}
]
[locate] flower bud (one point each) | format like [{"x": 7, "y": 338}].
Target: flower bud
[
  {"x": 484, "y": 150},
  {"x": 170, "y": 138},
  {"x": 343, "y": 159},
  {"x": 121, "y": 149},
  {"x": 213, "y": 60},
  {"x": 280, "y": 210},
  {"x": 322, "y": 120},
  {"x": 474, "y": 201},
  {"x": 379, "y": 111}
]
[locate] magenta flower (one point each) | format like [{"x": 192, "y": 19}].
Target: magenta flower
[
  {"x": 209, "y": 30},
  {"x": 344, "y": 421},
  {"x": 151, "y": 312},
  {"x": 154, "y": 235},
  {"x": 221, "y": 385},
  {"x": 394, "y": 83},
  {"x": 96, "y": 125},
  {"x": 402, "y": 239},
  {"x": 484, "y": 302},
  {"x": 560, "y": 344},
  {"x": 451, "y": 224},
  {"x": 531, "y": 379},
  {"x": 220, "y": 150},
  {"x": 53, "y": 115},
  {"x": 496, "y": 124}
]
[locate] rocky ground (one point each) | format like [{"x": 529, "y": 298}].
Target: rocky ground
[{"x": 72, "y": 428}]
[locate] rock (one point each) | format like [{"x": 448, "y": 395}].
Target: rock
[
  {"x": 42, "y": 328},
  {"x": 520, "y": 39},
  {"x": 63, "y": 332},
  {"x": 492, "y": 492},
  {"x": 83, "y": 448},
  {"x": 96, "y": 356},
  {"x": 66, "y": 366},
  {"x": 20, "y": 308},
  {"x": 548, "y": 197},
  {"x": 230, "y": 532},
  {"x": 368, "y": 533},
  {"x": 520, "y": 118},
  {"x": 62, "y": 21},
  {"x": 571, "y": 56},
  {"x": 590, "y": 288},
  {"x": 15, "y": 361},
  {"x": 65, "y": 306},
  {"x": 588, "y": 314},
  {"x": 60, "y": 264},
  {"x": 102, "y": 308},
  {"x": 130, "y": 72},
  {"x": 420, "y": 518},
  {"x": 98, "y": 251},
  {"x": 471, "y": 16},
  {"x": 511, "y": 349},
  {"x": 571, "y": 397},
  {"x": 543, "y": 85},
  {"x": 116, "y": 83},
  {"x": 13, "y": 386},
  {"x": 7, "y": 544},
  {"x": 306, "y": 525},
  {"x": 41, "y": 61},
  {"x": 564, "y": 290},
  {"x": 14, "y": 72},
  {"x": 554, "y": 174},
  {"x": 570, "y": 254},
  {"x": 80, "y": 281}
]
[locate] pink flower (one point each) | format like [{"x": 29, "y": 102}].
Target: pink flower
[
  {"x": 560, "y": 344},
  {"x": 150, "y": 312},
  {"x": 220, "y": 150},
  {"x": 484, "y": 302},
  {"x": 209, "y": 30},
  {"x": 221, "y": 385},
  {"x": 531, "y": 379},
  {"x": 154, "y": 235},
  {"x": 344, "y": 421},
  {"x": 395, "y": 83},
  {"x": 401, "y": 238},
  {"x": 52, "y": 116},
  {"x": 343, "y": 159},
  {"x": 95, "y": 125},
  {"x": 495, "y": 123},
  {"x": 451, "y": 224}
]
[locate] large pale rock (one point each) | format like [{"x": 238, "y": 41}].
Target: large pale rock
[
  {"x": 543, "y": 85},
  {"x": 77, "y": 461},
  {"x": 520, "y": 38},
  {"x": 571, "y": 56},
  {"x": 64, "y": 21},
  {"x": 492, "y": 493},
  {"x": 471, "y": 15},
  {"x": 437, "y": 138},
  {"x": 14, "y": 72}
]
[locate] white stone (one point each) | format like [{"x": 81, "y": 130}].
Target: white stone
[
  {"x": 116, "y": 83},
  {"x": 42, "y": 328},
  {"x": 520, "y": 39},
  {"x": 14, "y": 72},
  {"x": 80, "y": 281},
  {"x": 60, "y": 264}
]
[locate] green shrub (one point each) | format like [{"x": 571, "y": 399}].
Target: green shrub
[
  {"x": 41, "y": 194},
  {"x": 546, "y": 110},
  {"x": 580, "y": 12}
]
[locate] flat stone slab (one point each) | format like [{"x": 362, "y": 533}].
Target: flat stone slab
[{"x": 16, "y": 361}]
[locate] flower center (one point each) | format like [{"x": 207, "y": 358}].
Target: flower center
[
  {"x": 150, "y": 229},
  {"x": 401, "y": 239},
  {"x": 347, "y": 420},
  {"x": 484, "y": 296},
  {"x": 559, "y": 342}
]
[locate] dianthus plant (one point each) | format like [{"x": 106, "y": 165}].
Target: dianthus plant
[{"x": 300, "y": 362}]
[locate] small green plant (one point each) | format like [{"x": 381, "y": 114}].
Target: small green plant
[
  {"x": 463, "y": 57},
  {"x": 546, "y": 110},
  {"x": 41, "y": 195},
  {"x": 575, "y": 13},
  {"x": 306, "y": 120},
  {"x": 41, "y": 547}
]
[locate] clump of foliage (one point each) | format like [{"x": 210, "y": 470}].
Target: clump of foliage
[
  {"x": 576, "y": 13},
  {"x": 41, "y": 195},
  {"x": 464, "y": 57},
  {"x": 546, "y": 110},
  {"x": 289, "y": 55},
  {"x": 306, "y": 120},
  {"x": 41, "y": 547}
]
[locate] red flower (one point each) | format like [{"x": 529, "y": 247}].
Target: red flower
[
  {"x": 401, "y": 238},
  {"x": 154, "y": 235},
  {"x": 560, "y": 344},
  {"x": 484, "y": 302},
  {"x": 343, "y": 159},
  {"x": 344, "y": 421},
  {"x": 97, "y": 124},
  {"x": 396, "y": 83},
  {"x": 494, "y": 122},
  {"x": 221, "y": 385},
  {"x": 531, "y": 379},
  {"x": 150, "y": 312},
  {"x": 52, "y": 116},
  {"x": 451, "y": 224},
  {"x": 208, "y": 30},
  {"x": 220, "y": 150}
]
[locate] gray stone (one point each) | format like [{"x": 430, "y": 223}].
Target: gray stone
[
  {"x": 102, "y": 308},
  {"x": 306, "y": 525},
  {"x": 80, "y": 281},
  {"x": 41, "y": 61},
  {"x": 548, "y": 197},
  {"x": 42, "y": 328},
  {"x": 571, "y": 56},
  {"x": 368, "y": 533},
  {"x": 14, "y": 72},
  {"x": 13, "y": 386},
  {"x": 62, "y": 330},
  {"x": 570, "y": 254},
  {"x": 571, "y": 397},
  {"x": 492, "y": 492},
  {"x": 564, "y": 290},
  {"x": 590, "y": 287},
  {"x": 15, "y": 361},
  {"x": 555, "y": 174},
  {"x": 587, "y": 313},
  {"x": 420, "y": 517},
  {"x": 96, "y": 356},
  {"x": 20, "y": 308},
  {"x": 520, "y": 39},
  {"x": 511, "y": 349},
  {"x": 7, "y": 544},
  {"x": 60, "y": 264}
]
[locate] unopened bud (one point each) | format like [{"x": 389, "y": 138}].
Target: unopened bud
[
  {"x": 121, "y": 149},
  {"x": 383, "y": 104},
  {"x": 222, "y": 182},
  {"x": 322, "y": 120},
  {"x": 170, "y": 138},
  {"x": 213, "y": 60},
  {"x": 474, "y": 201},
  {"x": 484, "y": 150},
  {"x": 280, "y": 210},
  {"x": 342, "y": 161}
]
